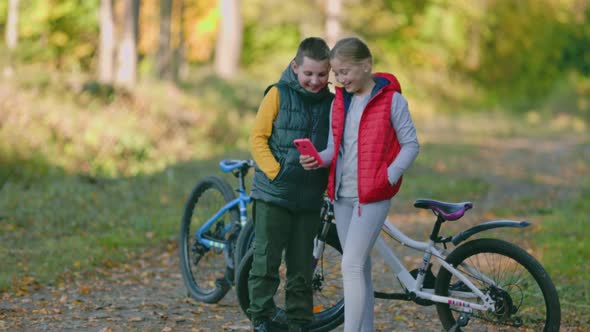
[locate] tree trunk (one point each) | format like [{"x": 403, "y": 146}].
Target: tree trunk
[
  {"x": 12, "y": 25},
  {"x": 106, "y": 48},
  {"x": 178, "y": 58},
  {"x": 475, "y": 34},
  {"x": 229, "y": 39},
  {"x": 164, "y": 54},
  {"x": 11, "y": 35},
  {"x": 126, "y": 75},
  {"x": 333, "y": 27}
]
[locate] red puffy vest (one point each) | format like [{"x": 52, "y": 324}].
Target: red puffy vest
[{"x": 377, "y": 143}]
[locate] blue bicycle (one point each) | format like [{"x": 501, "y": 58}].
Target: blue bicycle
[{"x": 212, "y": 220}]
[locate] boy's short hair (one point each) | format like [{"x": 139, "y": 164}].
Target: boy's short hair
[{"x": 314, "y": 48}]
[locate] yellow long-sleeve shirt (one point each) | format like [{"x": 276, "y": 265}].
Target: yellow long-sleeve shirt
[{"x": 267, "y": 113}]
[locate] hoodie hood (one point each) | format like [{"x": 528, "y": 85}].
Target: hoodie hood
[
  {"x": 383, "y": 82},
  {"x": 289, "y": 78}
]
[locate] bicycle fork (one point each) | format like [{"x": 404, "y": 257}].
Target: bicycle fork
[{"x": 319, "y": 242}]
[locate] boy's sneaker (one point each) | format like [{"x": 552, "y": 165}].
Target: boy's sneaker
[
  {"x": 298, "y": 328},
  {"x": 262, "y": 326}
]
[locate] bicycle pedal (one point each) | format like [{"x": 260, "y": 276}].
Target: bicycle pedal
[
  {"x": 461, "y": 321},
  {"x": 199, "y": 249}
]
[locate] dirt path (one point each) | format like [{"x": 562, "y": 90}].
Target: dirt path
[{"x": 148, "y": 295}]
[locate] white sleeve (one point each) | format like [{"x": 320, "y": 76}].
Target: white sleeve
[
  {"x": 328, "y": 153},
  {"x": 406, "y": 135}
]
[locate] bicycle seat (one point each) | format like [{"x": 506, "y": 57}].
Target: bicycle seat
[
  {"x": 229, "y": 165},
  {"x": 447, "y": 211}
]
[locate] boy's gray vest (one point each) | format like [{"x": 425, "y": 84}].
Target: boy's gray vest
[{"x": 301, "y": 115}]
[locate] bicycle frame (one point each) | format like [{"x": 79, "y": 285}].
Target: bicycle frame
[
  {"x": 415, "y": 285},
  {"x": 241, "y": 201}
]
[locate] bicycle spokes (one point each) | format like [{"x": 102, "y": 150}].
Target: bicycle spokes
[{"x": 508, "y": 277}]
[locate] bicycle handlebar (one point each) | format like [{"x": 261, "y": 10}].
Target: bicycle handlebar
[{"x": 228, "y": 165}]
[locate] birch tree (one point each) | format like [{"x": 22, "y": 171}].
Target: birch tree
[
  {"x": 126, "y": 73},
  {"x": 333, "y": 27},
  {"x": 229, "y": 39},
  {"x": 106, "y": 47},
  {"x": 11, "y": 34}
]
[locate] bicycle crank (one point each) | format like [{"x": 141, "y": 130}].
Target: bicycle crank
[{"x": 461, "y": 321}]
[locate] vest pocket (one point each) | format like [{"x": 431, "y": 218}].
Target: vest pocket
[
  {"x": 286, "y": 169},
  {"x": 383, "y": 178},
  {"x": 283, "y": 164}
]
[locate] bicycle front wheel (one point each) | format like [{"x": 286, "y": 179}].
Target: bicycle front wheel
[
  {"x": 208, "y": 271},
  {"x": 328, "y": 295},
  {"x": 524, "y": 294}
]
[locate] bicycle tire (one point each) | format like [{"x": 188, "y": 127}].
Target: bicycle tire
[
  {"x": 207, "y": 276},
  {"x": 328, "y": 312},
  {"x": 243, "y": 243},
  {"x": 246, "y": 235},
  {"x": 531, "y": 301}
]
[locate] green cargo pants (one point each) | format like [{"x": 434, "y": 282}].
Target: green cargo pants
[{"x": 279, "y": 229}]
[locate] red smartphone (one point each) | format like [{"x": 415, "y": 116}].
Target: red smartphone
[{"x": 306, "y": 148}]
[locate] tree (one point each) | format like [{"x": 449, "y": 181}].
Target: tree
[
  {"x": 164, "y": 54},
  {"x": 106, "y": 47},
  {"x": 126, "y": 74},
  {"x": 11, "y": 34},
  {"x": 229, "y": 39},
  {"x": 12, "y": 25},
  {"x": 179, "y": 60},
  {"x": 333, "y": 12}
]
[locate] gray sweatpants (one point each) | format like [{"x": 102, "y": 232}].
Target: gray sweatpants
[{"x": 358, "y": 230}]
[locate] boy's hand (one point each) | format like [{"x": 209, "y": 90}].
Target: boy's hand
[{"x": 308, "y": 162}]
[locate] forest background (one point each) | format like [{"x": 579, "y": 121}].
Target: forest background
[{"x": 110, "y": 110}]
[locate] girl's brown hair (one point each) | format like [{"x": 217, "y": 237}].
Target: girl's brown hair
[{"x": 351, "y": 49}]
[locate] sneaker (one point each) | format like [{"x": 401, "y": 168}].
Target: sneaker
[
  {"x": 298, "y": 328},
  {"x": 262, "y": 326}
]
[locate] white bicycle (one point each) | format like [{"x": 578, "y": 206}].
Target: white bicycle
[{"x": 480, "y": 284}]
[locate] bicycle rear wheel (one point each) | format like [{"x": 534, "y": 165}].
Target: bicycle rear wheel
[
  {"x": 328, "y": 295},
  {"x": 525, "y": 296},
  {"x": 246, "y": 236},
  {"x": 208, "y": 271}
]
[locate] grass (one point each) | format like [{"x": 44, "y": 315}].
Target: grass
[
  {"x": 437, "y": 174},
  {"x": 562, "y": 234},
  {"x": 88, "y": 180},
  {"x": 66, "y": 223}
]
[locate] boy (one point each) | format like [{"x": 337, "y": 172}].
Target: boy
[{"x": 287, "y": 198}]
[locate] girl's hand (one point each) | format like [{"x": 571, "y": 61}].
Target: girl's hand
[{"x": 308, "y": 162}]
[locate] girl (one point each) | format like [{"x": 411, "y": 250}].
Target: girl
[{"x": 372, "y": 141}]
